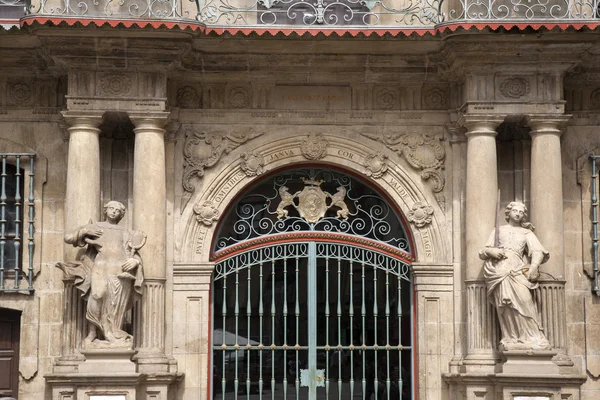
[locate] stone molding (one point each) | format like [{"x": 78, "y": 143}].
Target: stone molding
[{"x": 224, "y": 184}]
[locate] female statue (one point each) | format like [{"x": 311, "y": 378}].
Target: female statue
[
  {"x": 109, "y": 275},
  {"x": 512, "y": 257}
]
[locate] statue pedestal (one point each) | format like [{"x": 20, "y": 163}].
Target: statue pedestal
[
  {"x": 107, "y": 360},
  {"x": 529, "y": 362}
]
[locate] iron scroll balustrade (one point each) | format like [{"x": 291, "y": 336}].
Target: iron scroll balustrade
[
  {"x": 310, "y": 318},
  {"x": 341, "y": 205},
  {"x": 15, "y": 189},
  {"x": 356, "y": 15}
]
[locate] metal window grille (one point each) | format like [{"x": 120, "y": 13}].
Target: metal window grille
[
  {"x": 17, "y": 214},
  {"x": 595, "y": 289}
]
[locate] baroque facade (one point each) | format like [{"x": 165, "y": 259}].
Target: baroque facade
[{"x": 287, "y": 199}]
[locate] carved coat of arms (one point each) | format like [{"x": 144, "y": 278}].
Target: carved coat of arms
[{"x": 312, "y": 201}]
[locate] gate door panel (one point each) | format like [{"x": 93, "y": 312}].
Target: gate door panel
[{"x": 311, "y": 293}]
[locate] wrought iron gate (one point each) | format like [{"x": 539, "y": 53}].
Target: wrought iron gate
[{"x": 308, "y": 313}]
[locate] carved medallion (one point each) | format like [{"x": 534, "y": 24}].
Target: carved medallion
[
  {"x": 420, "y": 214},
  {"x": 188, "y": 97},
  {"x": 239, "y": 97},
  {"x": 252, "y": 164},
  {"x": 206, "y": 213},
  {"x": 20, "y": 94},
  {"x": 421, "y": 151},
  {"x": 115, "y": 84},
  {"x": 386, "y": 99},
  {"x": 435, "y": 99},
  {"x": 203, "y": 150},
  {"x": 314, "y": 147},
  {"x": 376, "y": 165},
  {"x": 514, "y": 87},
  {"x": 312, "y": 201}
]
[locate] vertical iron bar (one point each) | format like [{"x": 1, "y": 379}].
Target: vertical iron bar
[
  {"x": 249, "y": 316},
  {"x": 312, "y": 320},
  {"x": 412, "y": 341},
  {"x": 387, "y": 325},
  {"x": 327, "y": 312},
  {"x": 285, "y": 313},
  {"x": 399, "y": 329},
  {"x": 18, "y": 204},
  {"x": 375, "y": 343},
  {"x": 2, "y": 221},
  {"x": 339, "y": 323},
  {"x": 223, "y": 344},
  {"x": 31, "y": 217},
  {"x": 236, "y": 315},
  {"x": 273, "y": 328},
  {"x": 297, "y": 311},
  {"x": 363, "y": 312},
  {"x": 351, "y": 330},
  {"x": 260, "y": 317}
]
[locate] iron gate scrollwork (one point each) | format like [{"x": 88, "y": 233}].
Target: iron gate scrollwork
[{"x": 314, "y": 302}]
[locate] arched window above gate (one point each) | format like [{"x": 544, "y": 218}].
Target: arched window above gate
[{"x": 312, "y": 203}]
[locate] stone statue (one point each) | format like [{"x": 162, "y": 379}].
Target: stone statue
[
  {"x": 109, "y": 274},
  {"x": 513, "y": 255}
]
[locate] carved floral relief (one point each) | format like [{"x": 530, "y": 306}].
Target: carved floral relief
[
  {"x": 314, "y": 147},
  {"x": 376, "y": 165},
  {"x": 203, "y": 150},
  {"x": 188, "y": 97},
  {"x": 420, "y": 214},
  {"x": 514, "y": 87},
  {"x": 20, "y": 94},
  {"x": 115, "y": 84},
  {"x": 206, "y": 213},
  {"x": 252, "y": 164},
  {"x": 421, "y": 151}
]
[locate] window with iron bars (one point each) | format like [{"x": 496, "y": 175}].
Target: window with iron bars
[{"x": 17, "y": 213}]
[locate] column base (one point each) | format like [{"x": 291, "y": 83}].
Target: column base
[
  {"x": 149, "y": 362},
  {"x": 484, "y": 363},
  {"x": 68, "y": 364}
]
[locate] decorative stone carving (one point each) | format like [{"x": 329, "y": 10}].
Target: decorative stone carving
[
  {"x": 203, "y": 150},
  {"x": 595, "y": 98},
  {"x": 512, "y": 257},
  {"x": 376, "y": 165},
  {"x": 420, "y": 214},
  {"x": 386, "y": 99},
  {"x": 206, "y": 213},
  {"x": 514, "y": 87},
  {"x": 20, "y": 94},
  {"x": 239, "y": 97},
  {"x": 312, "y": 201},
  {"x": 188, "y": 97},
  {"x": 436, "y": 99},
  {"x": 115, "y": 84},
  {"x": 314, "y": 147},
  {"x": 109, "y": 274},
  {"x": 252, "y": 164},
  {"x": 423, "y": 152}
]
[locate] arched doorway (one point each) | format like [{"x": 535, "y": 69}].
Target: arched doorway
[{"x": 311, "y": 293}]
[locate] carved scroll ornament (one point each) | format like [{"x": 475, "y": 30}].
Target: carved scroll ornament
[
  {"x": 421, "y": 151},
  {"x": 204, "y": 150}
]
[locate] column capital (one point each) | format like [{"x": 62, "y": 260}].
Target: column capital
[
  {"x": 83, "y": 119},
  {"x": 480, "y": 124},
  {"x": 146, "y": 120},
  {"x": 547, "y": 124}
]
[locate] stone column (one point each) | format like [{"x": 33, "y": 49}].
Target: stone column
[
  {"x": 546, "y": 214},
  {"x": 149, "y": 215},
  {"x": 480, "y": 213},
  {"x": 83, "y": 169},
  {"x": 82, "y": 204}
]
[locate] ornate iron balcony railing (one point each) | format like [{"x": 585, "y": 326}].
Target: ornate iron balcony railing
[{"x": 341, "y": 15}]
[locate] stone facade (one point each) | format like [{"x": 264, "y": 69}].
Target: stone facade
[{"x": 177, "y": 126}]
